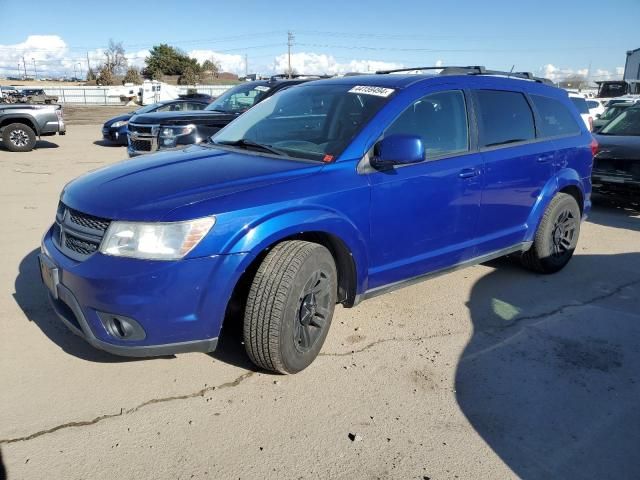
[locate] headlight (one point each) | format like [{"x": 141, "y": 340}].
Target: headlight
[
  {"x": 155, "y": 241},
  {"x": 169, "y": 132},
  {"x": 119, "y": 124}
]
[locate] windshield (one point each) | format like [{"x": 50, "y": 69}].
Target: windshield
[
  {"x": 611, "y": 89},
  {"x": 612, "y": 112},
  {"x": 239, "y": 99},
  {"x": 313, "y": 122},
  {"x": 148, "y": 108},
  {"x": 581, "y": 104},
  {"x": 625, "y": 124}
]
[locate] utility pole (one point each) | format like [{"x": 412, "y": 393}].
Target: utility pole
[
  {"x": 246, "y": 65},
  {"x": 75, "y": 75},
  {"x": 88, "y": 65},
  {"x": 24, "y": 64},
  {"x": 290, "y": 38},
  {"x": 34, "y": 68}
]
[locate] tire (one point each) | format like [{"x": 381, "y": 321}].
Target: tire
[
  {"x": 18, "y": 137},
  {"x": 290, "y": 306},
  {"x": 556, "y": 237}
]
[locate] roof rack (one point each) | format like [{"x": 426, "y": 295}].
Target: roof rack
[
  {"x": 286, "y": 76},
  {"x": 472, "y": 70}
]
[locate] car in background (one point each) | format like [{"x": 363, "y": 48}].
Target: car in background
[
  {"x": 614, "y": 108},
  {"x": 616, "y": 166},
  {"x": 114, "y": 130},
  {"x": 596, "y": 107},
  {"x": 36, "y": 96},
  {"x": 22, "y": 124},
  {"x": 150, "y": 132},
  {"x": 581, "y": 104},
  {"x": 327, "y": 193}
]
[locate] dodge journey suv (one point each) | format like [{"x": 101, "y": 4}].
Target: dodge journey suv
[{"x": 329, "y": 192}]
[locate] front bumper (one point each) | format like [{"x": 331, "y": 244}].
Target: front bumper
[
  {"x": 179, "y": 306},
  {"x": 115, "y": 135},
  {"x": 616, "y": 182}
]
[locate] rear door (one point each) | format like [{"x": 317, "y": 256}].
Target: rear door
[{"x": 517, "y": 166}]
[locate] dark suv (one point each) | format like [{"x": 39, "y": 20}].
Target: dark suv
[
  {"x": 328, "y": 193},
  {"x": 158, "y": 131}
]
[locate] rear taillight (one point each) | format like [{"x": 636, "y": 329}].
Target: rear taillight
[
  {"x": 594, "y": 147},
  {"x": 591, "y": 124},
  {"x": 59, "y": 113}
]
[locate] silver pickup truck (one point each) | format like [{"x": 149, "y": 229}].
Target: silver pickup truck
[{"x": 21, "y": 124}]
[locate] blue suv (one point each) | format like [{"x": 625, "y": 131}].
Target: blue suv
[{"x": 329, "y": 192}]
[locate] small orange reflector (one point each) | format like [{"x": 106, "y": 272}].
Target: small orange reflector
[{"x": 327, "y": 158}]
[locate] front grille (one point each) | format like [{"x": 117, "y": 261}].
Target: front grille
[
  {"x": 78, "y": 234},
  {"x": 140, "y": 145},
  {"x": 142, "y": 129}
]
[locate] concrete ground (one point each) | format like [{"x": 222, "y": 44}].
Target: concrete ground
[{"x": 489, "y": 372}]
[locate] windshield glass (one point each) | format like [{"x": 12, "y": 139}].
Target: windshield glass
[
  {"x": 612, "y": 112},
  {"x": 239, "y": 99},
  {"x": 314, "y": 121},
  {"x": 580, "y": 103},
  {"x": 625, "y": 124},
  {"x": 611, "y": 89},
  {"x": 148, "y": 108}
]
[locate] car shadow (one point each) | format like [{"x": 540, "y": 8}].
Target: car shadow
[
  {"x": 105, "y": 143},
  {"x": 31, "y": 297},
  {"x": 551, "y": 376},
  {"x": 44, "y": 144},
  {"x": 615, "y": 212}
]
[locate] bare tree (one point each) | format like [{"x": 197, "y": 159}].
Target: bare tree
[{"x": 116, "y": 61}]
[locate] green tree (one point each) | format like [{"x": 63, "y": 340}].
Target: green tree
[
  {"x": 167, "y": 60},
  {"x": 133, "y": 76},
  {"x": 210, "y": 69},
  {"x": 189, "y": 76}
]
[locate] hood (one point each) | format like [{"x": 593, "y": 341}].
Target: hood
[
  {"x": 180, "y": 118},
  {"x": 119, "y": 118},
  {"x": 150, "y": 187},
  {"x": 618, "y": 147}
]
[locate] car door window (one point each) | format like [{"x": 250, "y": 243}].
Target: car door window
[
  {"x": 555, "y": 117},
  {"x": 504, "y": 117},
  {"x": 166, "y": 108},
  {"x": 440, "y": 119},
  {"x": 195, "y": 106}
]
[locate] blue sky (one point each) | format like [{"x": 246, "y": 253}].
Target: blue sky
[{"x": 552, "y": 37}]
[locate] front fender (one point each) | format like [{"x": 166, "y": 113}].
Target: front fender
[
  {"x": 564, "y": 178},
  {"x": 21, "y": 118},
  {"x": 266, "y": 231}
]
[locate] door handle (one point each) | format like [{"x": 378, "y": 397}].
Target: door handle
[
  {"x": 469, "y": 172},
  {"x": 545, "y": 158}
]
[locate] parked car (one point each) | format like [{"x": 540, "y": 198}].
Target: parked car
[
  {"x": 616, "y": 167},
  {"x": 596, "y": 107},
  {"x": 614, "y": 108},
  {"x": 36, "y": 95},
  {"x": 157, "y": 131},
  {"x": 327, "y": 193},
  {"x": 21, "y": 125},
  {"x": 9, "y": 95},
  {"x": 115, "y": 129},
  {"x": 581, "y": 104}
]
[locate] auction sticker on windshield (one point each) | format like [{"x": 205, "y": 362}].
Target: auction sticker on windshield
[
  {"x": 262, "y": 88},
  {"x": 368, "y": 90}
]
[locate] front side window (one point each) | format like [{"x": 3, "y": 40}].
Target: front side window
[
  {"x": 504, "y": 117},
  {"x": 580, "y": 103},
  {"x": 555, "y": 117},
  {"x": 311, "y": 121},
  {"x": 440, "y": 119}
]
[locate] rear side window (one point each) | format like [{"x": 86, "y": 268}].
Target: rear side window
[
  {"x": 504, "y": 117},
  {"x": 581, "y": 104},
  {"x": 555, "y": 117},
  {"x": 592, "y": 104}
]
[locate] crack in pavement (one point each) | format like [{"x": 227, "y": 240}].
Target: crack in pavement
[
  {"x": 385, "y": 340},
  {"x": 123, "y": 412}
]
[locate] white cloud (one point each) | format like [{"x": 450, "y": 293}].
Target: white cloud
[
  {"x": 228, "y": 62},
  {"x": 557, "y": 74},
  {"x": 320, "y": 63},
  {"x": 48, "y": 51}
]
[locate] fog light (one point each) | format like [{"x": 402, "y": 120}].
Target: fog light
[{"x": 122, "y": 328}]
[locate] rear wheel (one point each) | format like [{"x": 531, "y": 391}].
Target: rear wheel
[
  {"x": 18, "y": 137},
  {"x": 290, "y": 306},
  {"x": 556, "y": 237}
]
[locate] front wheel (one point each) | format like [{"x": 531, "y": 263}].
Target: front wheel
[
  {"x": 290, "y": 306},
  {"x": 556, "y": 237}
]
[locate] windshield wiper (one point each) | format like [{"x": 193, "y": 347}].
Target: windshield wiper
[{"x": 251, "y": 145}]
